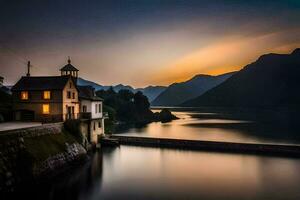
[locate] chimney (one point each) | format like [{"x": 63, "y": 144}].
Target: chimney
[{"x": 28, "y": 69}]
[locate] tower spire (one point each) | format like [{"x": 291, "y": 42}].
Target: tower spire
[{"x": 69, "y": 60}]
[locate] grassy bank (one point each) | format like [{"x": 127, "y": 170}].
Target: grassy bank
[{"x": 43, "y": 147}]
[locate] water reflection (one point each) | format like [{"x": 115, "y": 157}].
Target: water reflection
[
  {"x": 152, "y": 173},
  {"x": 197, "y": 125}
]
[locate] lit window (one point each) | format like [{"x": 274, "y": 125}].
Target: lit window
[
  {"x": 47, "y": 95},
  {"x": 46, "y": 108},
  {"x": 24, "y": 95}
]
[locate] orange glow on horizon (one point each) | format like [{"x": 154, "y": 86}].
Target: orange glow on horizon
[{"x": 226, "y": 55}]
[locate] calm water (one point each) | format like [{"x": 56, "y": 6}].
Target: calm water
[
  {"x": 131, "y": 172},
  {"x": 151, "y": 173},
  {"x": 201, "y": 125}
]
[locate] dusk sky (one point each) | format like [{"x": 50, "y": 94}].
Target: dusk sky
[{"x": 140, "y": 42}]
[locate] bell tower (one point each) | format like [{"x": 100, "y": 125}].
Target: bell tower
[{"x": 69, "y": 69}]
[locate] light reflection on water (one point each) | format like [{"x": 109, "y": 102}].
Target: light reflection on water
[
  {"x": 209, "y": 126},
  {"x": 153, "y": 173},
  {"x": 131, "y": 172}
]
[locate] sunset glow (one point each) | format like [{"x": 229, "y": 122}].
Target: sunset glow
[{"x": 144, "y": 43}]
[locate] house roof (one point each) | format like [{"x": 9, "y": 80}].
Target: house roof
[
  {"x": 88, "y": 92},
  {"x": 41, "y": 83}
]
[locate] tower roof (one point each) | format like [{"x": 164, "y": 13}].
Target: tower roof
[{"x": 69, "y": 67}]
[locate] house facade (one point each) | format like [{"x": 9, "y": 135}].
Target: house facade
[
  {"x": 45, "y": 99},
  {"x": 91, "y": 114}
]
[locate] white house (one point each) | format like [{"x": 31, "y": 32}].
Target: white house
[{"x": 91, "y": 114}]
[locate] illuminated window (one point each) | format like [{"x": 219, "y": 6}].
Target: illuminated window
[
  {"x": 47, "y": 95},
  {"x": 24, "y": 95},
  {"x": 46, "y": 108}
]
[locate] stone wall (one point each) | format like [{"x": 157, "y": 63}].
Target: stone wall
[{"x": 13, "y": 160}]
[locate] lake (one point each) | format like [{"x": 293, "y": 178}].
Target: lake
[
  {"x": 130, "y": 172},
  {"x": 202, "y": 124}
]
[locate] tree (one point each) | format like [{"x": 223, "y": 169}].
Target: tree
[{"x": 141, "y": 102}]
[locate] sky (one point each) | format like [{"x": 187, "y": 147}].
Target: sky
[{"x": 142, "y": 42}]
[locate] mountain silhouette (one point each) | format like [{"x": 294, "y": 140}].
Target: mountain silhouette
[
  {"x": 151, "y": 92},
  {"x": 272, "y": 80},
  {"x": 178, "y": 93}
]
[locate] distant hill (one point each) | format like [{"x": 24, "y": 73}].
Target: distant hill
[
  {"x": 83, "y": 82},
  {"x": 178, "y": 93},
  {"x": 272, "y": 80},
  {"x": 151, "y": 91}
]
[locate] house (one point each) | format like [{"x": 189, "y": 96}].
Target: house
[
  {"x": 46, "y": 98},
  {"x": 91, "y": 114},
  {"x": 58, "y": 98}
]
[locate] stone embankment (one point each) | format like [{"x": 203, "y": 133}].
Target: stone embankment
[{"x": 16, "y": 164}]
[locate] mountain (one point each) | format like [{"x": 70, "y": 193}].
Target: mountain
[
  {"x": 83, "y": 82},
  {"x": 151, "y": 91},
  {"x": 272, "y": 80},
  {"x": 178, "y": 93},
  {"x": 117, "y": 88}
]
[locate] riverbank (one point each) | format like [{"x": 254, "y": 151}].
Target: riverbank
[
  {"x": 240, "y": 148},
  {"x": 36, "y": 153}
]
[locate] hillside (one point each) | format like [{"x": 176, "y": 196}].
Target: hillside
[
  {"x": 272, "y": 80},
  {"x": 151, "y": 92},
  {"x": 178, "y": 93}
]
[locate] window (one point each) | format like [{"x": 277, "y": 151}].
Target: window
[
  {"x": 70, "y": 84},
  {"x": 100, "y": 110},
  {"x": 69, "y": 95},
  {"x": 24, "y": 95},
  {"x": 96, "y": 108},
  {"x": 99, "y": 124},
  {"x": 84, "y": 108},
  {"x": 94, "y": 125},
  {"x": 73, "y": 95},
  {"x": 46, "y": 108},
  {"x": 47, "y": 95}
]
